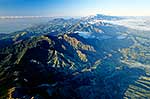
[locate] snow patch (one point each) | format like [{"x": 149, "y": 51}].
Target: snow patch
[
  {"x": 84, "y": 34},
  {"x": 123, "y": 36},
  {"x": 96, "y": 22}
]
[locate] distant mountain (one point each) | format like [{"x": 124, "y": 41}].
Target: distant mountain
[
  {"x": 75, "y": 58},
  {"x": 20, "y": 17},
  {"x": 107, "y": 17},
  {"x": 3, "y": 35}
]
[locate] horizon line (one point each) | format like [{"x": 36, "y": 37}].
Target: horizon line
[{"x": 32, "y": 16}]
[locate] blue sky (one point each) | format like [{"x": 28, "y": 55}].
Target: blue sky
[{"x": 74, "y": 7}]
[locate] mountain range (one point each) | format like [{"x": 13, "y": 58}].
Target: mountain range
[{"x": 76, "y": 58}]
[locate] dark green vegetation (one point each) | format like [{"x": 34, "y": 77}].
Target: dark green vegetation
[{"x": 57, "y": 61}]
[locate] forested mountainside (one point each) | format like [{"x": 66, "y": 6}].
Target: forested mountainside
[{"x": 75, "y": 59}]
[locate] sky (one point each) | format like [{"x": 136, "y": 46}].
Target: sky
[{"x": 74, "y": 7}]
